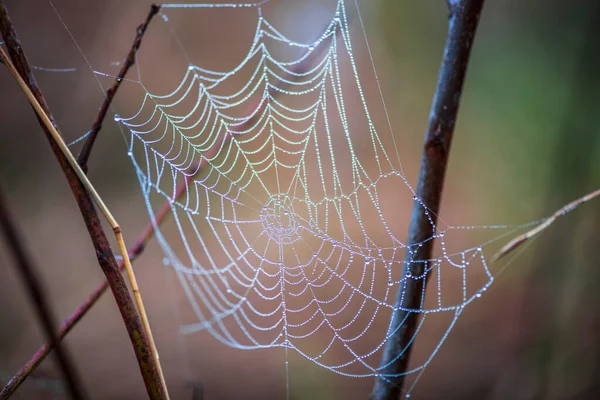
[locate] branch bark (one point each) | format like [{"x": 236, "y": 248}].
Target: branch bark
[
  {"x": 38, "y": 296},
  {"x": 84, "y": 155},
  {"x": 463, "y": 21},
  {"x": 139, "y": 339}
]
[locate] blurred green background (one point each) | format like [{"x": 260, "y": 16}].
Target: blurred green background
[{"x": 526, "y": 142}]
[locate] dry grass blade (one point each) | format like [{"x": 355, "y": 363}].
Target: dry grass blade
[{"x": 519, "y": 240}]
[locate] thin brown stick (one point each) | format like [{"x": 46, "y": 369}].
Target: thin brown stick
[
  {"x": 462, "y": 26},
  {"x": 68, "y": 324},
  {"x": 84, "y": 155},
  {"x": 519, "y": 240},
  {"x": 146, "y": 360},
  {"x": 38, "y": 296}
]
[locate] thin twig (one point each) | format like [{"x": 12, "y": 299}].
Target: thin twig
[
  {"x": 68, "y": 324},
  {"x": 463, "y": 21},
  {"x": 38, "y": 296},
  {"x": 84, "y": 155},
  {"x": 519, "y": 240},
  {"x": 138, "y": 334}
]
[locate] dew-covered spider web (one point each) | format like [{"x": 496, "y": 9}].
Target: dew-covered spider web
[{"x": 291, "y": 232}]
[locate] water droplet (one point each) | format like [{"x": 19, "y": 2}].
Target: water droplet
[
  {"x": 190, "y": 67},
  {"x": 166, "y": 261},
  {"x": 408, "y": 275},
  {"x": 129, "y": 153},
  {"x": 415, "y": 197},
  {"x": 390, "y": 282},
  {"x": 117, "y": 118},
  {"x": 407, "y": 395},
  {"x": 478, "y": 295},
  {"x": 311, "y": 47},
  {"x": 228, "y": 290}
]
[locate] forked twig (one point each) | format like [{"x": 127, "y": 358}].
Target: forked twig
[
  {"x": 519, "y": 240},
  {"x": 146, "y": 357},
  {"x": 463, "y": 21},
  {"x": 38, "y": 296},
  {"x": 136, "y": 250},
  {"x": 84, "y": 155}
]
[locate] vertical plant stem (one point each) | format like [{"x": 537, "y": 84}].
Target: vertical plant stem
[
  {"x": 138, "y": 336},
  {"x": 463, "y": 21},
  {"x": 38, "y": 296}
]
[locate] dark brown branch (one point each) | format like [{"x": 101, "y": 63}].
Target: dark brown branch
[
  {"x": 463, "y": 21},
  {"x": 84, "y": 155},
  {"x": 106, "y": 258},
  {"x": 136, "y": 250},
  {"x": 37, "y": 294}
]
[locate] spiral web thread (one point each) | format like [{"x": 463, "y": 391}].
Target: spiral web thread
[{"x": 286, "y": 233}]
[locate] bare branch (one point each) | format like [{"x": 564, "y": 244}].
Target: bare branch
[
  {"x": 84, "y": 155},
  {"x": 37, "y": 294},
  {"x": 464, "y": 18}
]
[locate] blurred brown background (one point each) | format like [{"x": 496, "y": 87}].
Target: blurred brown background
[{"x": 525, "y": 144}]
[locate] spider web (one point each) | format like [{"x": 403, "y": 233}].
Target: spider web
[{"x": 289, "y": 232}]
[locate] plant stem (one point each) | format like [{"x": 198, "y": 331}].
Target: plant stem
[
  {"x": 38, "y": 296},
  {"x": 463, "y": 21},
  {"x": 84, "y": 155},
  {"x": 143, "y": 350}
]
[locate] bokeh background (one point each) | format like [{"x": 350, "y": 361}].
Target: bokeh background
[{"x": 526, "y": 143}]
